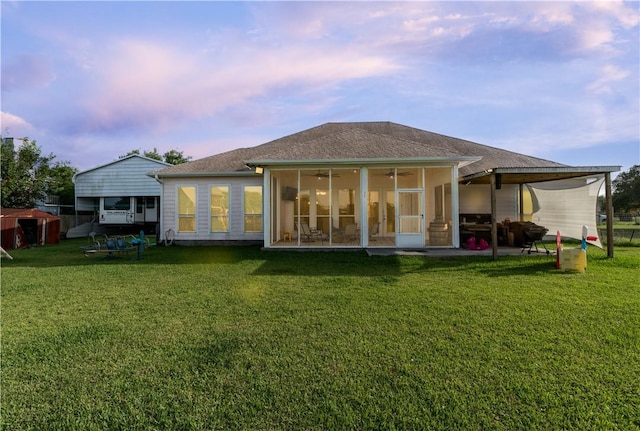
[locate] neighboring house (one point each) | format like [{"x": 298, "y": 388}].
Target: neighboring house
[
  {"x": 370, "y": 184},
  {"x": 121, "y": 193}
]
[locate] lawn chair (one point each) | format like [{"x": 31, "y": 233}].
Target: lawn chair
[
  {"x": 309, "y": 235},
  {"x": 351, "y": 233}
]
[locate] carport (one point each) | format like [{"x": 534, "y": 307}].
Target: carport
[{"x": 496, "y": 177}]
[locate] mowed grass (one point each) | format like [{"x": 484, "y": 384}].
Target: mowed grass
[{"x": 237, "y": 338}]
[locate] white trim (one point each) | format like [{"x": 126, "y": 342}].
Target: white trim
[
  {"x": 244, "y": 213},
  {"x": 417, "y": 161},
  {"x": 229, "y": 193},
  {"x": 455, "y": 207},
  {"x": 364, "y": 206},
  {"x": 177, "y": 210}
]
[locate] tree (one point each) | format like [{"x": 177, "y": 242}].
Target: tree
[
  {"x": 155, "y": 155},
  {"x": 61, "y": 182},
  {"x": 626, "y": 191},
  {"x": 173, "y": 157},
  {"x": 25, "y": 173}
]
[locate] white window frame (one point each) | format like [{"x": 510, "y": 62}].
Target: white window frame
[
  {"x": 244, "y": 211},
  {"x": 195, "y": 209},
  {"x": 228, "y": 216}
]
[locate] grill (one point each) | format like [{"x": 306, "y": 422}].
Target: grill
[{"x": 532, "y": 236}]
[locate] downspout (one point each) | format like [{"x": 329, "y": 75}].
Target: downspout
[{"x": 159, "y": 237}]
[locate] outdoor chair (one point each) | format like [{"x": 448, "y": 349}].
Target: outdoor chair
[
  {"x": 308, "y": 235},
  {"x": 374, "y": 230},
  {"x": 351, "y": 233}
]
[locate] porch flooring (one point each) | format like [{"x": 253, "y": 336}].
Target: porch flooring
[
  {"x": 450, "y": 252},
  {"x": 385, "y": 247}
]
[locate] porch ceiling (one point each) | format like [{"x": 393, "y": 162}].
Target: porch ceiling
[{"x": 536, "y": 175}]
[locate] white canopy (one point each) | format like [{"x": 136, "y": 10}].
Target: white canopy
[{"x": 567, "y": 206}]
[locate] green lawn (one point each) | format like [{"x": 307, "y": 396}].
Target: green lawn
[{"x": 236, "y": 338}]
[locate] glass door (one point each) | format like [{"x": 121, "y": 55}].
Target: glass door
[{"x": 410, "y": 219}]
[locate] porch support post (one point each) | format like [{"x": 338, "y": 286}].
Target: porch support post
[
  {"x": 494, "y": 225},
  {"x": 364, "y": 207},
  {"x": 455, "y": 207},
  {"x": 266, "y": 208},
  {"x": 521, "y": 203},
  {"x": 609, "y": 211}
]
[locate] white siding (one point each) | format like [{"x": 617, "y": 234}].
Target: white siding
[
  {"x": 476, "y": 199},
  {"x": 203, "y": 228},
  {"x": 126, "y": 177}
]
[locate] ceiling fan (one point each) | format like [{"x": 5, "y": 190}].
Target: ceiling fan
[
  {"x": 320, "y": 175},
  {"x": 391, "y": 174}
]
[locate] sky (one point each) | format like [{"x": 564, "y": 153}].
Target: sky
[{"x": 91, "y": 81}]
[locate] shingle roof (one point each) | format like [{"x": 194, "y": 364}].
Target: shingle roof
[{"x": 360, "y": 141}]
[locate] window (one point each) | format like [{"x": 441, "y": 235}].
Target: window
[
  {"x": 143, "y": 203},
  {"x": 219, "y": 208},
  {"x": 187, "y": 209},
  {"x": 117, "y": 204},
  {"x": 253, "y": 208}
]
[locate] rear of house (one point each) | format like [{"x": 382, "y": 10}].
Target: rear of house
[{"x": 354, "y": 185}]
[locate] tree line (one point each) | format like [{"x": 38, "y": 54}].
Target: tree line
[{"x": 29, "y": 176}]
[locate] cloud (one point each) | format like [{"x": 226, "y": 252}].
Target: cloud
[
  {"x": 27, "y": 71},
  {"x": 12, "y": 125},
  {"x": 609, "y": 75},
  {"x": 157, "y": 84}
]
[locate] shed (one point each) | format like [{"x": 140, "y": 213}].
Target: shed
[{"x": 22, "y": 227}]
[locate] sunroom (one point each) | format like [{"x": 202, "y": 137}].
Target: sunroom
[{"x": 361, "y": 205}]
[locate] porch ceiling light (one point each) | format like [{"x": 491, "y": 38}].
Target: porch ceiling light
[{"x": 259, "y": 170}]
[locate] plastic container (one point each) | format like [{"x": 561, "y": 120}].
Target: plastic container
[{"x": 573, "y": 259}]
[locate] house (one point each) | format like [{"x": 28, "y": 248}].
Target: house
[
  {"x": 23, "y": 227},
  {"x": 366, "y": 184},
  {"x": 119, "y": 193}
]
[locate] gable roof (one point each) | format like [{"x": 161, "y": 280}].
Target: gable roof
[
  {"x": 151, "y": 161},
  {"x": 362, "y": 141},
  {"x": 25, "y": 213}
]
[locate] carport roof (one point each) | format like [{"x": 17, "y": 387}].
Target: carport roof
[{"x": 536, "y": 174}]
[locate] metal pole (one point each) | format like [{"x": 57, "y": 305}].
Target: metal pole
[
  {"x": 609, "y": 203},
  {"x": 521, "y": 203},
  {"x": 494, "y": 224}
]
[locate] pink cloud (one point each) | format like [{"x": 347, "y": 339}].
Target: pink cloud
[
  {"x": 27, "y": 71},
  {"x": 159, "y": 84}
]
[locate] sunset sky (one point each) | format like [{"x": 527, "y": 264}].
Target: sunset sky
[{"x": 90, "y": 81}]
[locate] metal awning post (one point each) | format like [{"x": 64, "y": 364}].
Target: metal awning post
[
  {"x": 521, "y": 203},
  {"x": 494, "y": 224},
  {"x": 609, "y": 204}
]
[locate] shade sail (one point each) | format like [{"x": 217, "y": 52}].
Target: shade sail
[{"x": 566, "y": 206}]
